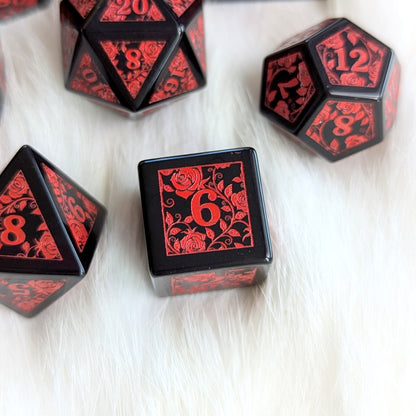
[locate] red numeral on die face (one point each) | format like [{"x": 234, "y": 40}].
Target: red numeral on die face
[
  {"x": 138, "y": 7},
  {"x": 13, "y": 234},
  {"x": 197, "y": 208}
]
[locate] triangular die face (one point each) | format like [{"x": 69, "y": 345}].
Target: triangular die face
[
  {"x": 179, "y": 7},
  {"x": 24, "y": 234},
  {"x": 88, "y": 79},
  {"x": 196, "y": 36},
  {"x": 25, "y": 296},
  {"x": 131, "y": 11},
  {"x": 179, "y": 79},
  {"x": 133, "y": 61},
  {"x": 83, "y": 7},
  {"x": 77, "y": 211}
]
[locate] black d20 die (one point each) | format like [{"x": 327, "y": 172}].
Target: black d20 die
[
  {"x": 205, "y": 221},
  {"x": 133, "y": 56},
  {"x": 49, "y": 229}
]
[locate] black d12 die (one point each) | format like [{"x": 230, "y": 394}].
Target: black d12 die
[
  {"x": 333, "y": 88},
  {"x": 49, "y": 230},
  {"x": 205, "y": 221}
]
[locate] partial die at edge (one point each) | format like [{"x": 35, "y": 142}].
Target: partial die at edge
[
  {"x": 30, "y": 294},
  {"x": 391, "y": 90}
]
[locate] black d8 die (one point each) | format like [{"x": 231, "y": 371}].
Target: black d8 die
[
  {"x": 205, "y": 221},
  {"x": 49, "y": 229}
]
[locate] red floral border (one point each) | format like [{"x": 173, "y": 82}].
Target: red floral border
[{"x": 205, "y": 208}]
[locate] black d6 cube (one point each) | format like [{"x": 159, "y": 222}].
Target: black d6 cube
[
  {"x": 49, "y": 229},
  {"x": 205, "y": 221}
]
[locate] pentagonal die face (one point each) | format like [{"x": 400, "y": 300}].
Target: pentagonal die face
[
  {"x": 346, "y": 56},
  {"x": 290, "y": 87},
  {"x": 133, "y": 55},
  {"x": 350, "y": 92},
  {"x": 342, "y": 127}
]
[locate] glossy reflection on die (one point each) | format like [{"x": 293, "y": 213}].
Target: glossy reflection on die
[
  {"x": 133, "y": 55},
  {"x": 333, "y": 88},
  {"x": 205, "y": 221}
]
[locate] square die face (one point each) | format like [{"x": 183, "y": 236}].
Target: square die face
[
  {"x": 203, "y": 211},
  {"x": 204, "y": 208}
]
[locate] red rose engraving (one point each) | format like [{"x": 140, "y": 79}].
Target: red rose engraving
[
  {"x": 18, "y": 187},
  {"x": 239, "y": 200},
  {"x": 355, "y": 140},
  {"x": 47, "y": 246},
  {"x": 205, "y": 208},
  {"x": 353, "y": 79},
  {"x": 186, "y": 181},
  {"x": 193, "y": 242},
  {"x": 79, "y": 232}
]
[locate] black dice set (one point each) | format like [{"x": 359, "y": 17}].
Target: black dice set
[{"x": 333, "y": 88}]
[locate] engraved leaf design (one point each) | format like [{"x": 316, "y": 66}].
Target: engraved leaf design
[
  {"x": 237, "y": 179},
  {"x": 42, "y": 227},
  {"x": 221, "y": 186},
  {"x": 228, "y": 190},
  {"x": 223, "y": 225},
  {"x": 175, "y": 230},
  {"x": 234, "y": 233},
  {"x": 5, "y": 199},
  {"x": 240, "y": 215},
  {"x": 210, "y": 233},
  {"x": 189, "y": 219},
  {"x": 169, "y": 218},
  {"x": 25, "y": 246},
  {"x": 168, "y": 188}
]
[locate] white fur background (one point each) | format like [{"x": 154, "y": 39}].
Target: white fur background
[{"x": 331, "y": 332}]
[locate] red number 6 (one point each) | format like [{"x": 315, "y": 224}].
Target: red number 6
[{"x": 197, "y": 207}]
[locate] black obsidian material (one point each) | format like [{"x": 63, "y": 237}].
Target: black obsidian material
[
  {"x": 205, "y": 221},
  {"x": 133, "y": 55},
  {"x": 333, "y": 88},
  {"x": 49, "y": 230}
]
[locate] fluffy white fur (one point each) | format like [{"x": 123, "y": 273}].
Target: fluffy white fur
[{"x": 331, "y": 332}]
